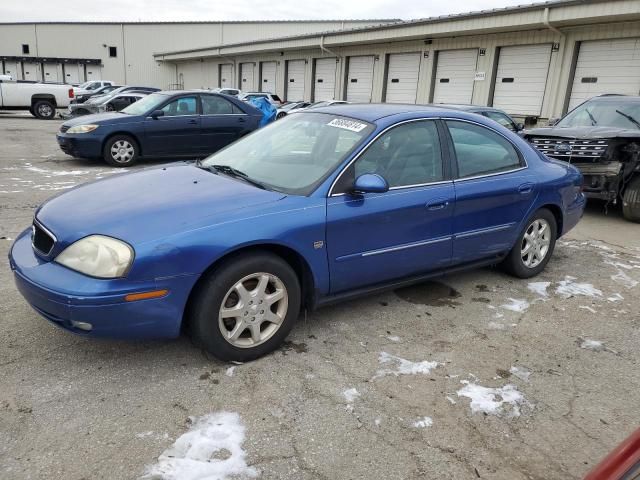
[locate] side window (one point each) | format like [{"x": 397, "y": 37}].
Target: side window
[
  {"x": 212, "y": 105},
  {"x": 181, "y": 106},
  {"x": 501, "y": 119},
  {"x": 480, "y": 151},
  {"x": 408, "y": 154}
]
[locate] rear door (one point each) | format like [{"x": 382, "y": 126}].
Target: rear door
[
  {"x": 221, "y": 123},
  {"x": 177, "y": 131},
  {"x": 493, "y": 188}
]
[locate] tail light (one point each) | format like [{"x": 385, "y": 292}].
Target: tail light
[{"x": 71, "y": 93}]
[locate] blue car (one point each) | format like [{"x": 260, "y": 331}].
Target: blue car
[
  {"x": 317, "y": 207},
  {"x": 163, "y": 124}
]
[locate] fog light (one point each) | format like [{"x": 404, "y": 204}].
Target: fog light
[{"x": 87, "y": 327}]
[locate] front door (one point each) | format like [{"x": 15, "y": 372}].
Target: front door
[
  {"x": 377, "y": 237},
  {"x": 177, "y": 131},
  {"x": 494, "y": 190}
]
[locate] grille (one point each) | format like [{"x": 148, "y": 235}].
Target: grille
[
  {"x": 42, "y": 240},
  {"x": 64, "y": 128},
  {"x": 570, "y": 149}
]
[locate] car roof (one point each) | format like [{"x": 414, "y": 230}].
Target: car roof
[
  {"x": 614, "y": 97},
  {"x": 371, "y": 112}
]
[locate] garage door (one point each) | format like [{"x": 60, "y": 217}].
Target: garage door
[
  {"x": 522, "y": 78},
  {"x": 324, "y": 83},
  {"x": 226, "y": 76},
  {"x": 94, "y": 72},
  {"x": 51, "y": 72},
  {"x": 246, "y": 77},
  {"x": 295, "y": 80},
  {"x": 455, "y": 76},
  {"x": 402, "y": 78},
  {"x": 71, "y": 73},
  {"x": 31, "y": 71},
  {"x": 360, "y": 79},
  {"x": 606, "y": 66},
  {"x": 268, "y": 80}
]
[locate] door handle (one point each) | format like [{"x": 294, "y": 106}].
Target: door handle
[
  {"x": 192, "y": 122},
  {"x": 438, "y": 204},
  {"x": 525, "y": 188},
  {"x": 241, "y": 120}
]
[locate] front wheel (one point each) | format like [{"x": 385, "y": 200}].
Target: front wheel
[
  {"x": 245, "y": 309},
  {"x": 631, "y": 201},
  {"x": 120, "y": 151},
  {"x": 534, "y": 246},
  {"x": 281, "y": 115}
]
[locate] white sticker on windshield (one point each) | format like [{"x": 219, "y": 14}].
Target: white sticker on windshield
[{"x": 347, "y": 124}]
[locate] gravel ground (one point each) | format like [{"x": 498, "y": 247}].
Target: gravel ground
[{"x": 519, "y": 380}]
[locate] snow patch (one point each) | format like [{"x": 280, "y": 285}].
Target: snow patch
[
  {"x": 210, "y": 450},
  {"x": 539, "y": 288},
  {"x": 495, "y": 326},
  {"x": 589, "y": 309},
  {"x": 393, "y": 338},
  {"x": 56, "y": 173},
  {"x": 595, "y": 345},
  {"x": 616, "y": 297},
  {"x": 424, "y": 422},
  {"x": 569, "y": 288},
  {"x": 451, "y": 400},
  {"x": 403, "y": 366},
  {"x": 516, "y": 305},
  {"x": 521, "y": 373},
  {"x": 229, "y": 371},
  {"x": 502, "y": 401},
  {"x": 351, "y": 394}
]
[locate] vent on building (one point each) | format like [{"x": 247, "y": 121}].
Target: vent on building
[{"x": 25, "y": 49}]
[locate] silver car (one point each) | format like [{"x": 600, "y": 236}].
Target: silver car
[{"x": 105, "y": 103}]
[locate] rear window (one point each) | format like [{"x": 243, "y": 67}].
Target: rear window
[{"x": 276, "y": 98}]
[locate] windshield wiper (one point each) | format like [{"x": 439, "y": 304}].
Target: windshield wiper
[
  {"x": 630, "y": 118},
  {"x": 234, "y": 172},
  {"x": 593, "y": 120}
]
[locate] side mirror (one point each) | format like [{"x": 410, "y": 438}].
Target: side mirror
[
  {"x": 370, "y": 183},
  {"x": 553, "y": 121},
  {"x": 519, "y": 127},
  {"x": 157, "y": 113}
]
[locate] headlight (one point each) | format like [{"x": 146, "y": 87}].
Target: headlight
[
  {"x": 98, "y": 256},
  {"x": 82, "y": 128}
]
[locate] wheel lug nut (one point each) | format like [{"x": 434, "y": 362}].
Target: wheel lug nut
[{"x": 261, "y": 311}]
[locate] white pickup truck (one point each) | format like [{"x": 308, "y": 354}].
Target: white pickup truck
[{"x": 41, "y": 99}]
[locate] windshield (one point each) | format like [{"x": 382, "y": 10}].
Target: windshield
[
  {"x": 145, "y": 105},
  {"x": 607, "y": 113},
  {"x": 295, "y": 154}
]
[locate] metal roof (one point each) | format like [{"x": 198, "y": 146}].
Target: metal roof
[
  {"x": 212, "y": 22},
  {"x": 401, "y": 24}
]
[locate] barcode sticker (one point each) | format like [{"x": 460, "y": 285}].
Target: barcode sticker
[{"x": 347, "y": 124}]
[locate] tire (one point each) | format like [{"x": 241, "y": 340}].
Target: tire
[
  {"x": 281, "y": 115},
  {"x": 44, "y": 110},
  {"x": 631, "y": 201},
  {"x": 121, "y": 151},
  {"x": 529, "y": 265},
  {"x": 254, "y": 331}
]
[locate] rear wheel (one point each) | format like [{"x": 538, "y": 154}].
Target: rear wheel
[
  {"x": 534, "y": 247},
  {"x": 281, "y": 115},
  {"x": 631, "y": 201},
  {"x": 120, "y": 151},
  {"x": 245, "y": 309},
  {"x": 44, "y": 110}
]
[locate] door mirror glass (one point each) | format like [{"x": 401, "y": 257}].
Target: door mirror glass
[
  {"x": 157, "y": 113},
  {"x": 519, "y": 127},
  {"x": 370, "y": 183}
]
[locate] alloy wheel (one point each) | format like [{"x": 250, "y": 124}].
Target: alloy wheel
[
  {"x": 45, "y": 110},
  {"x": 535, "y": 243},
  {"x": 253, "y": 310},
  {"x": 122, "y": 151}
]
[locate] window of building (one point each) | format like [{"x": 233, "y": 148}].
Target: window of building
[
  {"x": 113, "y": 51},
  {"x": 25, "y": 49}
]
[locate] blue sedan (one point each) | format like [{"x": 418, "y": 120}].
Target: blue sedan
[
  {"x": 164, "y": 124},
  {"x": 317, "y": 207}
]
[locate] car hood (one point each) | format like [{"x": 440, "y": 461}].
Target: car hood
[
  {"x": 586, "y": 133},
  {"x": 149, "y": 204},
  {"x": 110, "y": 118}
]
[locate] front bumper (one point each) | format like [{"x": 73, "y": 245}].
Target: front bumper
[
  {"x": 80, "y": 145},
  {"x": 69, "y": 299}
]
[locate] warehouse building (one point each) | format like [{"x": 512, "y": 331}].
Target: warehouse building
[
  {"x": 123, "y": 52},
  {"x": 534, "y": 61}
]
